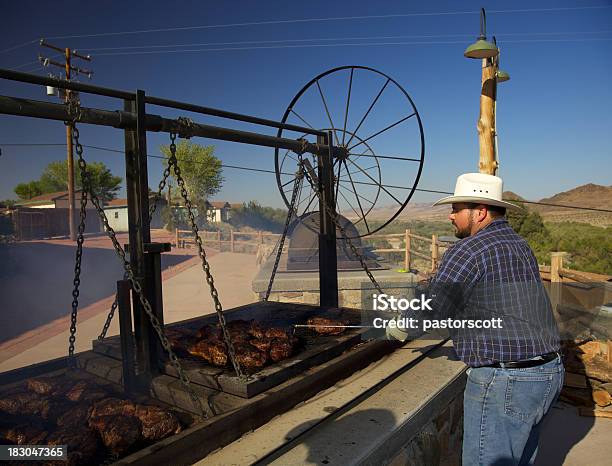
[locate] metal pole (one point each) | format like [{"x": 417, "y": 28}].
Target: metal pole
[
  {"x": 328, "y": 260},
  {"x": 137, "y": 188},
  {"x": 70, "y": 159},
  {"x": 125, "y": 335}
]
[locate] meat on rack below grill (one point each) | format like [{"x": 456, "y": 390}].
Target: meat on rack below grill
[
  {"x": 280, "y": 348},
  {"x": 327, "y": 326},
  {"x": 112, "y": 406},
  {"x": 119, "y": 433},
  {"x": 83, "y": 444},
  {"x": 157, "y": 423}
]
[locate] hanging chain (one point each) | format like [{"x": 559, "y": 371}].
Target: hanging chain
[
  {"x": 158, "y": 194},
  {"x": 334, "y": 218},
  {"x": 136, "y": 287},
  {"x": 172, "y": 161},
  {"x": 77, "y": 264},
  {"x": 299, "y": 177}
]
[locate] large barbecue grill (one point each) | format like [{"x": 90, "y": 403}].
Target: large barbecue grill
[{"x": 226, "y": 402}]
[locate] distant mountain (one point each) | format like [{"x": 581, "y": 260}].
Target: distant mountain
[{"x": 588, "y": 195}]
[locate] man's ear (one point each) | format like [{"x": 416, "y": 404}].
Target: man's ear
[{"x": 482, "y": 213}]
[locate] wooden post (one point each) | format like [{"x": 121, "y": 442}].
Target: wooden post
[
  {"x": 486, "y": 120},
  {"x": 407, "y": 251},
  {"x": 261, "y": 240},
  {"x": 232, "y": 240},
  {"x": 556, "y": 264},
  {"x": 176, "y": 238},
  {"x": 219, "y": 239},
  {"x": 434, "y": 252}
]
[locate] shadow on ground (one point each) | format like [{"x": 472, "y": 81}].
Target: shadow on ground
[{"x": 36, "y": 282}]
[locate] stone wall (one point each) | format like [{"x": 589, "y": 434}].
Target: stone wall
[{"x": 439, "y": 442}]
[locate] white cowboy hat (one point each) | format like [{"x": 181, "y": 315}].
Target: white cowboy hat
[{"x": 478, "y": 188}]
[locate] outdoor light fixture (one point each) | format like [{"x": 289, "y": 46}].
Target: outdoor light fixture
[
  {"x": 502, "y": 76},
  {"x": 482, "y": 48}
]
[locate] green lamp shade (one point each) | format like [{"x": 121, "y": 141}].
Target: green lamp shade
[
  {"x": 502, "y": 76},
  {"x": 481, "y": 49}
]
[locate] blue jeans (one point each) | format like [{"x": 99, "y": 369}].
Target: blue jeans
[{"x": 503, "y": 410}]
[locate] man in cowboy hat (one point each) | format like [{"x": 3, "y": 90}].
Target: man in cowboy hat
[{"x": 515, "y": 372}]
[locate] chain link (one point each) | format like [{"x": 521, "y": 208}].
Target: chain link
[
  {"x": 172, "y": 161},
  {"x": 136, "y": 287},
  {"x": 77, "y": 270},
  {"x": 334, "y": 218},
  {"x": 299, "y": 177}
]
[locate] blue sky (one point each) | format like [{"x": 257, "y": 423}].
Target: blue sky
[{"x": 554, "y": 119}]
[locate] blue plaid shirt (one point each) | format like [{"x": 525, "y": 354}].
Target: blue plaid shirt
[{"x": 494, "y": 274}]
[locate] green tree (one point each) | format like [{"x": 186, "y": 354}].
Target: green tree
[
  {"x": 28, "y": 190},
  {"x": 200, "y": 169},
  {"x": 104, "y": 183}
]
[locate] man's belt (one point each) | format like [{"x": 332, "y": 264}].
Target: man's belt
[{"x": 537, "y": 361}]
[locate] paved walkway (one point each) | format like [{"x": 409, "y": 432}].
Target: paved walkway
[{"x": 186, "y": 295}]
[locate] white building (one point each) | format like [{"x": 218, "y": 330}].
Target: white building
[{"x": 117, "y": 214}]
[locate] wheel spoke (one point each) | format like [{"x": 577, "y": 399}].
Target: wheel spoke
[
  {"x": 348, "y": 99},
  {"x": 350, "y": 192},
  {"x": 357, "y": 197},
  {"x": 327, "y": 111},
  {"x": 300, "y": 117},
  {"x": 382, "y": 131},
  {"x": 369, "y": 109},
  {"x": 285, "y": 184},
  {"x": 377, "y": 184},
  {"x": 351, "y": 205},
  {"x": 386, "y": 157},
  {"x": 312, "y": 198}
]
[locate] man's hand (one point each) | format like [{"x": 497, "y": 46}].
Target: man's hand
[{"x": 396, "y": 334}]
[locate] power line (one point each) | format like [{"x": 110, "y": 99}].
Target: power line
[
  {"x": 310, "y": 20},
  {"x": 280, "y": 41},
  {"x": 292, "y": 46},
  {"x": 107, "y": 149}
]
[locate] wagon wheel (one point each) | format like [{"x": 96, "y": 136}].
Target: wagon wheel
[{"x": 370, "y": 189}]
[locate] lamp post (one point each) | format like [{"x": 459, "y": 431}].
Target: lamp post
[{"x": 488, "y": 53}]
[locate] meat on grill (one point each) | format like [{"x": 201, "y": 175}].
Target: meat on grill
[
  {"x": 249, "y": 356},
  {"x": 276, "y": 332},
  {"x": 83, "y": 444},
  {"x": 85, "y": 391},
  {"x": 74, "y": 416},
  {"x": 25, "y": 434},
  {"x": 210, "y": 332},
  {"x": 18, "y": 402},
  {"x": 46, "y": 385},
  {"x": 119, "y": 433},
  {"x": 280, "y": 348},
  {"x": 112, "y": 406},
  {"x": 262, "y": 344},
  {"x": 212, "y": 351},
  {"x": 327, "y": 326},
  {"x": 157, "y": 423}
]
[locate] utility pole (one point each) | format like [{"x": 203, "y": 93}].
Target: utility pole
[
  {"x": 491, "y": 75},
  {"x": 68, "y": 95}
]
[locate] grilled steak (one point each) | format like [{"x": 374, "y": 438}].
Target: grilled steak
[
  {"x": 112, "y": 406},
  {"x": 262, "y": 344},
  {"x": 74, "y": 416},
  {"x": 83, "y": 444},
  {"x": 326, "y": 326},
  {"x": 256, "y": 330},
  {"x": 46, "y": 385},
  {"x": 25, "y": 434},
  {"x": 276, "y": 332},
  {"x": 86, "y": 391},
  {"x": 16, "y": 403},
  {"x": 212, "y": 351},
  {"x": 119, "y": 433},
  {"x": 280, "y": 348},
  {"x": 157, "y": 423},
  {"x": 249, "y": 356},
  {"x": 210, "y": 332}
]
